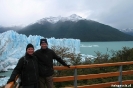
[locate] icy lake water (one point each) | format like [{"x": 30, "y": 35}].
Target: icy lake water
[
  {"x": 8, "y": 73},
  {"x": 103, "y": 47}
]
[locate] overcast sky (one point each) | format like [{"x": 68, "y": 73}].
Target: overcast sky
[{"x": 116, "y": 13}]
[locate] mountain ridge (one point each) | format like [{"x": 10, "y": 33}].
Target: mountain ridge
[
  {"x": 127, "y": 31},
  {"x": 85, "y": 30},
  {"x": 53, "y": 20},
  {"x": 75, "y": 27}
]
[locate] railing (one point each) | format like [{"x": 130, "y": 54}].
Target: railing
[{"x": 76, "y": 77}]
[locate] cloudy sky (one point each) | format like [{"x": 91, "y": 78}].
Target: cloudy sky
[{"x": 116, "y": 13}]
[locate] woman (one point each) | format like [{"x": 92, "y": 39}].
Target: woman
[{"x": 27, "y": 67}]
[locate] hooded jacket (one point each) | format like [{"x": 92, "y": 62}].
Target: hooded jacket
[{"x": 28, "y": 68}]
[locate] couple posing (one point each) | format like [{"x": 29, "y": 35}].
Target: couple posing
[{"x": 36, "y": 68}]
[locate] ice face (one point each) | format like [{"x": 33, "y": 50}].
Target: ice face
[
  {"x": 3, "y": 81},
  {"x": 13, "y": 45}
]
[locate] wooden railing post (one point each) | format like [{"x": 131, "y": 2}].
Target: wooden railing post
[
  {"x": 75, "y": 78},
  {"x": 120, "y": 76}
]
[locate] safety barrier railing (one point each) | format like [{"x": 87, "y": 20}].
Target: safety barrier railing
[{"x": 77, "y": 77}]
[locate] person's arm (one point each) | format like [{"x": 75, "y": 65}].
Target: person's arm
[
  {"x": 17, "y": 70},
  {"x": 60, "y": 60}
]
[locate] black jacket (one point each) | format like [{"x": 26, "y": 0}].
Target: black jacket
[
  {"x": 45, "y": 61},
  {"x": 28, "y": 68}
]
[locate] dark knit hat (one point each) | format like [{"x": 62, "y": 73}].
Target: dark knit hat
[
  {"x": 29, "y": 46},
  {"x": 43, "y": 41}
]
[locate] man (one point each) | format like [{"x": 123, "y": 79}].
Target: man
[{"x": 45, "y": 58}]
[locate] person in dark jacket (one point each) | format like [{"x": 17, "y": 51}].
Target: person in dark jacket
[
  {"x": 27, "y": 67},
  {"x": 45, "y": 58}
]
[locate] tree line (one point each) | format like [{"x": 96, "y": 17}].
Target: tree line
[{"x": 126, "y": 54}]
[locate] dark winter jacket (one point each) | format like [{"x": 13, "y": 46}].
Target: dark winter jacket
[
  {"x": 28, "y": 68},
  {"x": 45, "y": 58}
]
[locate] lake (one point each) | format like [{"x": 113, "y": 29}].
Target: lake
[
  {"x": 91, "y": 47},
  {"x": 8, "y": 73},
  {"x": 103, "y": 47}
]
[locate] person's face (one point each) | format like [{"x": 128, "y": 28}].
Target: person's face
[
  {"x": 44, "y": 45},
  {"x": 30, "y": 50}
]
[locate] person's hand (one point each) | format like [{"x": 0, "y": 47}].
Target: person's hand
[{"x": 68, "y": 66}]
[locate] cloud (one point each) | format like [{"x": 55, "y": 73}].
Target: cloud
[
  {"x": 17, "y": 12},
  {"x": 117, "y": 13}
]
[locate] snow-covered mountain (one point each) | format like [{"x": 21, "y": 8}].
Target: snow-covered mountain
[
  {"x": 127, "y": 31},
  {"x": 53, "y": 20},
  {"x": 12, "y": 46}
]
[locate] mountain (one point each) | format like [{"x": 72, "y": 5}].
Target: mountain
[
  {"x": 127, "y": 31},
  {"x": 2, "y": 29},
  {"x": 75, "y": 27}
]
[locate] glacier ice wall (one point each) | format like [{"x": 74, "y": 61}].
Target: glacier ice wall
[{"x": 13, "y": 45}]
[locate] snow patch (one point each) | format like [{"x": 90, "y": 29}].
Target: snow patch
[{"x": 53, "y": 20}]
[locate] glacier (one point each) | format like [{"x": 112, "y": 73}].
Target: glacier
[
  {"x": 13, "y": 46},
  {"x": 3, "y": 81}
]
